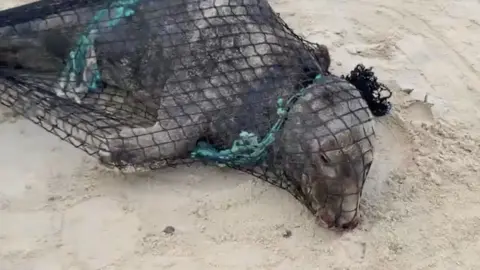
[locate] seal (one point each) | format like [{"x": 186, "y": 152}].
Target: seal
[
  {"x": 222, "y": 79},
  {"x": 324, "y": 149}
]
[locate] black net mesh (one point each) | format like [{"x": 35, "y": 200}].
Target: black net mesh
[{"x": 168, "y": 82}]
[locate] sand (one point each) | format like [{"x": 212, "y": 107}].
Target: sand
[{"x": 60, "y": 210}]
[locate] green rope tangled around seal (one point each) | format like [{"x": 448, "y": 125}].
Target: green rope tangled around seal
[
  {"x": 247, "y": 149},
  {"x": 77, "y": 59}
]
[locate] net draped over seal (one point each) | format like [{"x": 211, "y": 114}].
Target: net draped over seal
[{"x": 163, "y": 82}]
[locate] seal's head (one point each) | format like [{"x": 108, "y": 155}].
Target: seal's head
[
  {"x": 328, "y": 147},
  {"x": 340, "y": 170}
]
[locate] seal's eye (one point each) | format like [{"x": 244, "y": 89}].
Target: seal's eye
[{"x": 324, "y": 158}]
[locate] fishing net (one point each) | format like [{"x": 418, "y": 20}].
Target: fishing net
[{"x": 161, "y": 83}]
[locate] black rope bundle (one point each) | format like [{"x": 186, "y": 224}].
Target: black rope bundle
[{"x": 366, "y": 82}]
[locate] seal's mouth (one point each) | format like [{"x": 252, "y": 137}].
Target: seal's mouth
[{"x": 327, "y": 220}]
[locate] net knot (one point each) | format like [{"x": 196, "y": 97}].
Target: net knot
[{"x": 281, "y": 110}]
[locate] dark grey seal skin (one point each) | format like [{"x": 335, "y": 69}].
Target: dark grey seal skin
[{"x": 209, "y": 69}]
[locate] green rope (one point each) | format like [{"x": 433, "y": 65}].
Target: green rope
[
  {"x": 78, "y": 56},
  {"x": 248, "y": 150}
]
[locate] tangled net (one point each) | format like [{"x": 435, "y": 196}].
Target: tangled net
[
  {"x": 161, "y": 82},
  {"x": 366, "y": 82}
]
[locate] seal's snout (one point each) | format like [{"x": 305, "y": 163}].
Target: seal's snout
[
  {"x": 347, "y": 221},
  {"x": 339, "y": 186},
  {"x": 341, "y": 213}
]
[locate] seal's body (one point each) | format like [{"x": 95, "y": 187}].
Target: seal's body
[{"x": 211, "y": 69}]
